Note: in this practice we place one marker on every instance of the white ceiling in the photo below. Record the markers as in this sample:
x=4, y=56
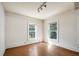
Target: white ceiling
x=30, y=8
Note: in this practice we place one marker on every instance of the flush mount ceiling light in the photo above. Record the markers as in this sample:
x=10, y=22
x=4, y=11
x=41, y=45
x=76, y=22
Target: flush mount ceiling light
x=40, y=8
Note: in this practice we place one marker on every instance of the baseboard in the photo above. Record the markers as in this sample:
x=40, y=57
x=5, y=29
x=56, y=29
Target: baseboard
x=69, y=49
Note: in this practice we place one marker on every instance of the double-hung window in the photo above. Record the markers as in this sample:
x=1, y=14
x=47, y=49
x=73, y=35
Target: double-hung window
x=53, y=30
x=32, y=31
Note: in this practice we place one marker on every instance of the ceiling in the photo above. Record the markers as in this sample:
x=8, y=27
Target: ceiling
x=30, y=8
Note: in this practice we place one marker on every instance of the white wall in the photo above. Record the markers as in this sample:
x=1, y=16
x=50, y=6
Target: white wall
x=67, y=29
x=16, y=30
x=77, y=29
x=2, y=31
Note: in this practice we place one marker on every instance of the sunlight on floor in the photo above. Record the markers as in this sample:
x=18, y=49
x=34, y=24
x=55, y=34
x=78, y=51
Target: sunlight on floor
x=33, y=51
x=51, y=44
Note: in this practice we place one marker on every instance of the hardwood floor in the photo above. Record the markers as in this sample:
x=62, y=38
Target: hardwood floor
x=39, y=49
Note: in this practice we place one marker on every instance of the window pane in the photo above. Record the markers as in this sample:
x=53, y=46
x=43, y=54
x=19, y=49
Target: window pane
x=31, y=34
x=53, y=35
x=53, y=26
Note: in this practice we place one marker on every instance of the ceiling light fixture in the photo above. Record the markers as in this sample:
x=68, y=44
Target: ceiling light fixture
x=41, y=7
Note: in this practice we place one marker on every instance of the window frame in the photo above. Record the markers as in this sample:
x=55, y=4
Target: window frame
x=56, y=31
x=35, y=31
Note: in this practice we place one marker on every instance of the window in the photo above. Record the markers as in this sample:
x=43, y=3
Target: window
x=32, y=33
x=53, y=30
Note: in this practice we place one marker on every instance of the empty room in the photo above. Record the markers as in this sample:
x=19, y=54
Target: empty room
x=39, y=28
